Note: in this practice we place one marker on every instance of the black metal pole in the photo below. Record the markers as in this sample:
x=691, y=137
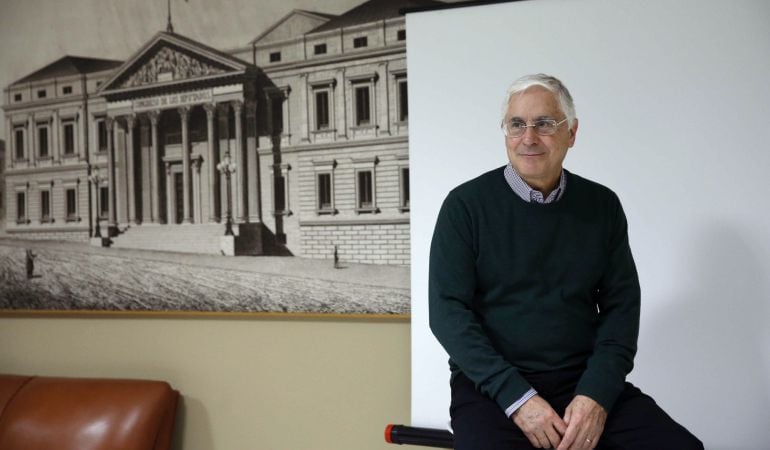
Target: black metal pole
x=426, y=437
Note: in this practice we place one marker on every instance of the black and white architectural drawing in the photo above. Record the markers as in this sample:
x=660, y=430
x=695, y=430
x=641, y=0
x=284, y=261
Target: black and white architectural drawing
x=295, y=143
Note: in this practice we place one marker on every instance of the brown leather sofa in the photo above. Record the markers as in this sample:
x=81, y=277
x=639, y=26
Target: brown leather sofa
x=45, y=413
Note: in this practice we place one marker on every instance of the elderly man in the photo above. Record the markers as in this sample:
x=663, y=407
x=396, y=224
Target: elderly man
x=534, y=294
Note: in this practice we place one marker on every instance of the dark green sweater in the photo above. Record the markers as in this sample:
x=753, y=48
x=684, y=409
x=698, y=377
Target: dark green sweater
x=517, y=287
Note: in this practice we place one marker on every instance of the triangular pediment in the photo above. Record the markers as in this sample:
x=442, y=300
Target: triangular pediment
x=168, y=59
x=167, y=63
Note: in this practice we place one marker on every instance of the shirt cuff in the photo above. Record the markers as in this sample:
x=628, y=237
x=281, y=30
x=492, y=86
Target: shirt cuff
x=517, y=404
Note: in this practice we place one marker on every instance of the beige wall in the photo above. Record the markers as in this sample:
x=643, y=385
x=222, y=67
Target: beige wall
x=246, y=383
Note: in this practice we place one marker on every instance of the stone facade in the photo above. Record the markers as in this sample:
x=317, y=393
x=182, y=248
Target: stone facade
x=50, y=124
x=336, y=94
x=378, y=243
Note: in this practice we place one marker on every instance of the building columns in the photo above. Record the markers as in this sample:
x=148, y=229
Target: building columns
x=145, y=172
x=30, y=144
x=95, y=204
x=130, y=123
x=80, y=121
x=305, y=95
x=10, y=146
x=184, y=116
x=240, y=177
x=109, y=124
x=196, y=180
x=154, y=175
x=223, y=136
x=170, y=193
x=343, y=105
x=138, y=191
x=212, y=170
x=252, y=159
x=55, y=138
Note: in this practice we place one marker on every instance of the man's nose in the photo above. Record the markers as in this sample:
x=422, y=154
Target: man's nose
x=530, y=136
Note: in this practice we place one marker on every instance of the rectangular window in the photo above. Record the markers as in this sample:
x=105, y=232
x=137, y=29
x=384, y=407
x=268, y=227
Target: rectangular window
x=322, y=110
x=18, y=142
x=66, y=90
x=401, y=35
x=404, y=188
x=275, y=57
x=42, y=141
x=69, y=138
x=72, y=205
x=360, y=42
x=104, y=202
x=41, y=93
x=319, y=49
x=45, y=206
x=102, y=135
x=17, y=97
x=21, y=207
x=324, y=181
x=363, y=114
x=403, y=101
x=365, y=190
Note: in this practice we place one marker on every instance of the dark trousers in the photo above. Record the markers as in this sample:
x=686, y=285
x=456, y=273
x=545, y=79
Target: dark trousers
x=636, y=422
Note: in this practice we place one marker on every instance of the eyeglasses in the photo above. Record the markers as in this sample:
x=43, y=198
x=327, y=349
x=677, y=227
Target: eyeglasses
x=543, y=127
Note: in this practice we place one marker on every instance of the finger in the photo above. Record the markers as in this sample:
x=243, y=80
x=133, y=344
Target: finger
x=582, y=441
x=544, y=440
x=569, y=437
x=591, y=438
x=590, y=434
x=560, y=426
x=533, y=440
x=544, y=443
x=554, y=439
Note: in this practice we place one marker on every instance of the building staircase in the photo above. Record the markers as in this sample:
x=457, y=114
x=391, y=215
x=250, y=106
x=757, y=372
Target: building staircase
x=185, y=238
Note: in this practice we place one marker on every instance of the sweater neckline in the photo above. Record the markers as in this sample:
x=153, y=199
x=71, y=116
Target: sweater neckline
x=569, y=187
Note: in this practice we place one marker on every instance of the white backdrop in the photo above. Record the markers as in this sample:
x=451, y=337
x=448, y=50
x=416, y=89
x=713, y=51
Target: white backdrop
x=674, y=109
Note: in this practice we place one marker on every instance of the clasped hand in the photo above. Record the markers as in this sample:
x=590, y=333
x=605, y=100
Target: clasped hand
x=580, y=428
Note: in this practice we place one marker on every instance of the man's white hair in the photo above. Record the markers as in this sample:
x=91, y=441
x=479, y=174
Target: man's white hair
x=553, y=84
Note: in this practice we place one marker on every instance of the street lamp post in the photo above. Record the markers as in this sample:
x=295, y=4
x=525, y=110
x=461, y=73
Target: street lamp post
x=226, y=167
x=96, y=178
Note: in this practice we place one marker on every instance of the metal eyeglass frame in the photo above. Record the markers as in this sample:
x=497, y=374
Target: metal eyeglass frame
x=534, y=126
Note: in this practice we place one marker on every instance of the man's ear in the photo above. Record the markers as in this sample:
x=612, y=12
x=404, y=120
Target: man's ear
x=573, y=132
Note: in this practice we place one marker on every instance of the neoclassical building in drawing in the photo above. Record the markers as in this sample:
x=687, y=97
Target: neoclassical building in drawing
x=301, y=137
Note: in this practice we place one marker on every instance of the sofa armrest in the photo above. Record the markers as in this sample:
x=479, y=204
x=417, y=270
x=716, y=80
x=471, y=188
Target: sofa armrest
x=86, y=414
